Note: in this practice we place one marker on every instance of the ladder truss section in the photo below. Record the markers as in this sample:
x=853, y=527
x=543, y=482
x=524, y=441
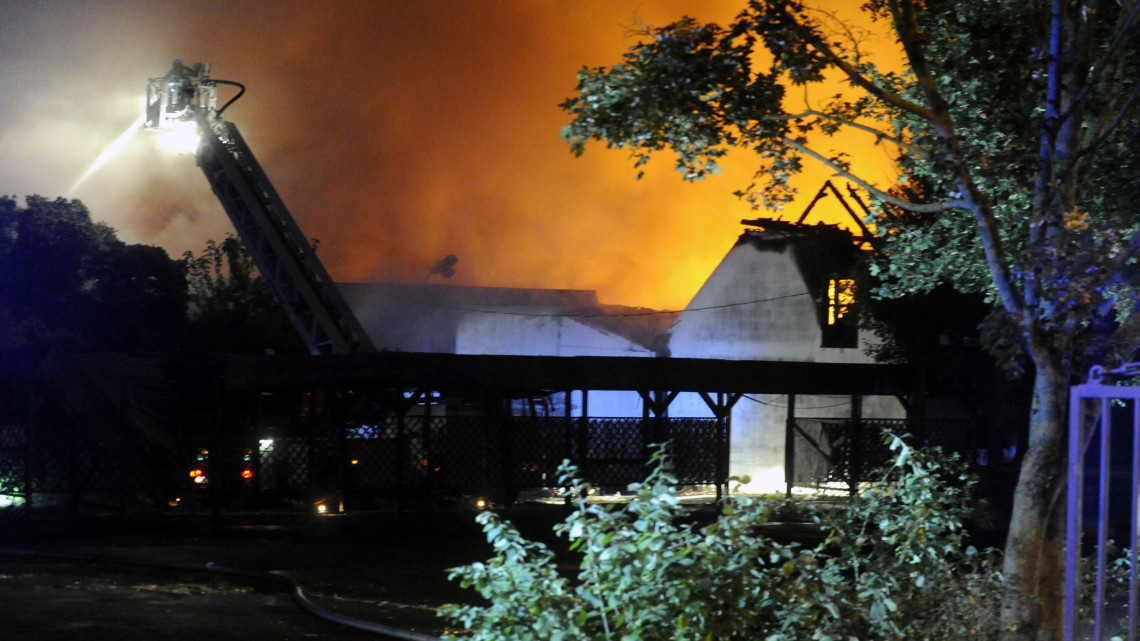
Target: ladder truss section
x=280, y=250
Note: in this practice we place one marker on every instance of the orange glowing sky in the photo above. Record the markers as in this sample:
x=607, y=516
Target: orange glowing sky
x=397, y=131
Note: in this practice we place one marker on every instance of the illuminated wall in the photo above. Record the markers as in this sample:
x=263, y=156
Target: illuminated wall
x=768, y=299
x=501, y=321
x=765, y=302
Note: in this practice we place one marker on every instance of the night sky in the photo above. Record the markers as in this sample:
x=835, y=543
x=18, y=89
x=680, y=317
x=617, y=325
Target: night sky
x=397, y=132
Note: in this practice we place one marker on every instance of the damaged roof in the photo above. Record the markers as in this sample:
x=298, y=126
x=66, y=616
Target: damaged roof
x=421, y=317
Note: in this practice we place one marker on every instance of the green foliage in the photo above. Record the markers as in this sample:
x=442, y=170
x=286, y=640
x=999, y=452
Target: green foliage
x=701, y=71
x=1054, y=195
x=892, y=564
x=68, y=281
x=1114, y=606
x=232, y=309
x=10, y=493
x=1013, y=172
x=1017, y=130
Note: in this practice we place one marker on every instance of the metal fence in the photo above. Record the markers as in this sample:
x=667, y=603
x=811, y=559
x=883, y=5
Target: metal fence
x=77, y=448
x=64, y=463
x=307, y=460
x=1103, y=494
x=452, y=456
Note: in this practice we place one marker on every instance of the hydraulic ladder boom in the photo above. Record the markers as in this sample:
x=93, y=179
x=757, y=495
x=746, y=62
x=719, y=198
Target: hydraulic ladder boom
x=279, y=249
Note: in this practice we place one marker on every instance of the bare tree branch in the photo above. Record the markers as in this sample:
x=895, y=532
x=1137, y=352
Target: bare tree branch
x=906, y=26
x=856, y=76
x=879, y=135
x=1120, y=115
x=842, y=25
x=1124, y=24
x=921, y=208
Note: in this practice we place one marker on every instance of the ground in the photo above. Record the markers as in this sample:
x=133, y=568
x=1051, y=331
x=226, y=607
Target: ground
x=148, y=581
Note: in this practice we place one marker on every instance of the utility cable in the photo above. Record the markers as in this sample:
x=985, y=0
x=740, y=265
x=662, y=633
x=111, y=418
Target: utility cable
x=775, y=402
x=651, y=312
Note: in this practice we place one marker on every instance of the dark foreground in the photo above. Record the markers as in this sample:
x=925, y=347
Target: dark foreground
x=68, y=577
x=382, y=568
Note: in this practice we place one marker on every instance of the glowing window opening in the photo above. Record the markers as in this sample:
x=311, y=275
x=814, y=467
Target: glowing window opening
x=840, y=297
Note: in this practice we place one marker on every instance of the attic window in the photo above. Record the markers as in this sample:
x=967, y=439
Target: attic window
x=840, y=297
x=841, y=329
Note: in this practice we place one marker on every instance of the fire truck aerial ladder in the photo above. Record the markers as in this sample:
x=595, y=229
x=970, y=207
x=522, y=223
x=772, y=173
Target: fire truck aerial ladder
x=184, y=101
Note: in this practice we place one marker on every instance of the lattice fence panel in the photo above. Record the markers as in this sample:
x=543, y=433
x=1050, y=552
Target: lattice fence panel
x=831, y=452
x=461, y=451
x=616, y=451
x=295, y=464
x=13, y=451
x=696, y=445
x=374, y=457
x=538, y=446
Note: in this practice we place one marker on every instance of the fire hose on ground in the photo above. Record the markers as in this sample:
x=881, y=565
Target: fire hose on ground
x=276, y=576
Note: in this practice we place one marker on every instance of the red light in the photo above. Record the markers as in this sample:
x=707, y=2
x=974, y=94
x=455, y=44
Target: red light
x=195, y=473
x=247, y=474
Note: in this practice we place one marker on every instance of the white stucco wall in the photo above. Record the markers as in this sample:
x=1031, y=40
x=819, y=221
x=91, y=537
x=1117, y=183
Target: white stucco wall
x=518, y=335
x=521, y=335
x=756, y=306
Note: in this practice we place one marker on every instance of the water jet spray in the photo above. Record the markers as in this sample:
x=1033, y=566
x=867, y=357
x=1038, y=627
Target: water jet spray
x=115, y=147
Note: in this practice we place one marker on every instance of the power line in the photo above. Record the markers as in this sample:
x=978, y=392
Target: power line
x=630, y=314
x=773, y=403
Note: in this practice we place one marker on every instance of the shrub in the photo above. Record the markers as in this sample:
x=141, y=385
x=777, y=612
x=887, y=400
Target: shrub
x=893, y=563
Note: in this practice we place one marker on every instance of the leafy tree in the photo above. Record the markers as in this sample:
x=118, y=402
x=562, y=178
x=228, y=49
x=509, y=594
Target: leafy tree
x=893, y=564
x=231, y=308
x=944, y=348
x=1018, y=120
x=69, y=282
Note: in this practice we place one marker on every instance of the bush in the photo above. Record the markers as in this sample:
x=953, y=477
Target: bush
x=893, y=564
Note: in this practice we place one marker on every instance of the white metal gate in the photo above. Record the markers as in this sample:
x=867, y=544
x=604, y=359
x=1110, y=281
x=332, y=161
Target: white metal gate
x=1092, y=407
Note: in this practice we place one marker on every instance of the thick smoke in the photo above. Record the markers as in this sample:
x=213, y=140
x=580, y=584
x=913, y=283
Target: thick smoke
x=397, y=132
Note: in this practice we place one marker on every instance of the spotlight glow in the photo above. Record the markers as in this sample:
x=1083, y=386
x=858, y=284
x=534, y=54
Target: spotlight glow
x=182, y=138
x=10, y=500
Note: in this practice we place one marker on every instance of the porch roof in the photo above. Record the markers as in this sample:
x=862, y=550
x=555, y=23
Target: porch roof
x=463, y=372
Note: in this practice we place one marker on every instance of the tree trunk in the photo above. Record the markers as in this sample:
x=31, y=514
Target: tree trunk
x=1034, y=565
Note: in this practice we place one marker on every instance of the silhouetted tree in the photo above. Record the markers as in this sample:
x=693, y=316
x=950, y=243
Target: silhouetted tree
x=231, y=308
x=1021, y=117
x=69, y=282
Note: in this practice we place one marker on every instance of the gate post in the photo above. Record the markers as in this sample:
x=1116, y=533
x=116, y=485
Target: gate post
x=722, y=410
x=1100, y=417
x=855, y=463
x=582, y=441
x=790, y=447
